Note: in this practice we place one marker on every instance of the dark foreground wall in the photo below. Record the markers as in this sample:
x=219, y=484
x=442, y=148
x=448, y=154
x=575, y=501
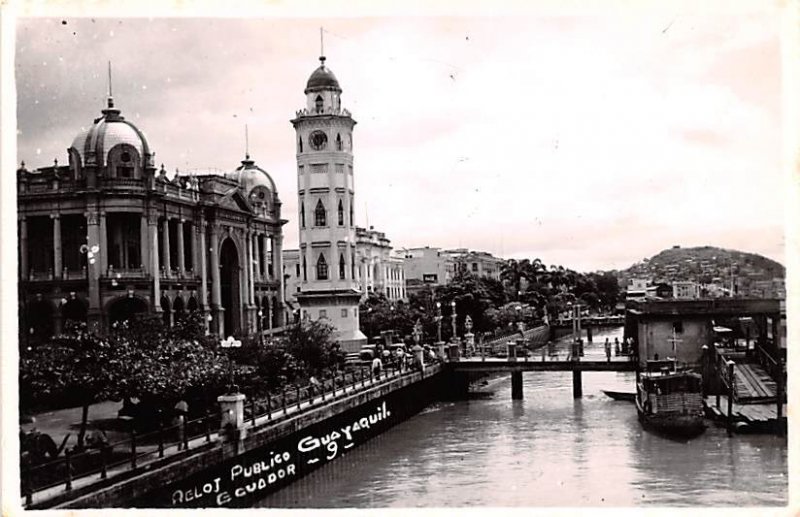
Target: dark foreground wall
x=239, y=481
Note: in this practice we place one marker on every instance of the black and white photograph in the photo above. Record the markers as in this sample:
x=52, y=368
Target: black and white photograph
x=505, y=257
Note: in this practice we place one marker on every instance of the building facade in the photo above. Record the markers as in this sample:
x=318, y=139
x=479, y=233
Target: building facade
x=325, y=195
x=379, y=271
x=477, y=263
x=109, y=235
x=426, y=266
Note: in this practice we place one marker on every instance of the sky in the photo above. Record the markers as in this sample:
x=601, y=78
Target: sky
x=586, y=140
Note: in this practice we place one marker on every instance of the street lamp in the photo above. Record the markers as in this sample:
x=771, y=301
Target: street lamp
x=258, y=326
x=439, y=321
x=227, y=344
x=453, y=307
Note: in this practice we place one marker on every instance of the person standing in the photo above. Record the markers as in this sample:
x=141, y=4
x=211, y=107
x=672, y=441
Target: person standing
x=608, y=350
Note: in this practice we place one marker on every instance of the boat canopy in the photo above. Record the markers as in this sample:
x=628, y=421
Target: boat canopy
x=675, y=383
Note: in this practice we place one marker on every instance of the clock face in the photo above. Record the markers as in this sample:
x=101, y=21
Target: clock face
x=318, y=140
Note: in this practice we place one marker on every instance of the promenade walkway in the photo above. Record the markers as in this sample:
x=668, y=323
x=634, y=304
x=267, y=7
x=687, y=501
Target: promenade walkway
x=151, y=455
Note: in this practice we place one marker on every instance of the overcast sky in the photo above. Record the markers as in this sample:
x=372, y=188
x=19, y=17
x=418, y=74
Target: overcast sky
x=588, y=141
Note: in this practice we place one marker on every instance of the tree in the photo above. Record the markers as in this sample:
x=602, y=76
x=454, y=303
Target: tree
x=311, y=344
x=79, y=364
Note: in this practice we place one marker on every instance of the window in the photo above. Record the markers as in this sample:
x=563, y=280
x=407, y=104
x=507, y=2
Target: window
x=319, y=215
x=351, y=212
x=323, y=313
x=678, y=327
x=344, y=313
x=302, y=215
x=322, y=268
x=318, y=103
x=341, y=213
x=341, y=267
x=300, y=142
x=474, y=266
x=338, y=142
x=297, y=270
x=353, y=264
x=305, y=273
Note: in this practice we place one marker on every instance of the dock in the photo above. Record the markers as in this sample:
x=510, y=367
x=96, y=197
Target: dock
x=747, y=418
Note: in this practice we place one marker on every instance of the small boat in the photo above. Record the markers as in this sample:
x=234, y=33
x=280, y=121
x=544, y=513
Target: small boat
x=670, y=402
x=627, y=396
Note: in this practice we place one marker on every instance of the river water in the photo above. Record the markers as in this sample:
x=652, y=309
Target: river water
x=545, y=450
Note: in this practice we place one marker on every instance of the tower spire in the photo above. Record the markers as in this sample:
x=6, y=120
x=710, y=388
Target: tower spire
x=321, y=47
x=110, y=92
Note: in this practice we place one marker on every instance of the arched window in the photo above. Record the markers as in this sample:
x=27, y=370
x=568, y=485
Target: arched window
x=319, y=215
x=305, y=273
x=341, y=213
x=341, y=266
x=302, y=215
x=301, y=144
x=351, y=212
x=338, y=142
x=318, y=103
x=322, y=268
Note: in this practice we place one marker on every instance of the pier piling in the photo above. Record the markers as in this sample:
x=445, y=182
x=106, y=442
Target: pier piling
x=516, y=385
x=577, y=384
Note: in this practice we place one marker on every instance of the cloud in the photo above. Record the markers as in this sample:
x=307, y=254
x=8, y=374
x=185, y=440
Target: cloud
x=591, y=139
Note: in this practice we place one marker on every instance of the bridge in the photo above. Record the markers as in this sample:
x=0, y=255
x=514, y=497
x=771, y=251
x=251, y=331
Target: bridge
x=561, y=357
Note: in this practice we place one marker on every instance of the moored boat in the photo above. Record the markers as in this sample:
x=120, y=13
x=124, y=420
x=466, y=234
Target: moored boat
x=670, y=402
x=627, y=396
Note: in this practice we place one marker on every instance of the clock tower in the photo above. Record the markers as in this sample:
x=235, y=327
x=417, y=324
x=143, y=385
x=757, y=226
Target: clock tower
x=325, y=199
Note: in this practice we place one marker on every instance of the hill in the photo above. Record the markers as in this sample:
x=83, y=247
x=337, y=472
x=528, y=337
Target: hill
x=703, y=264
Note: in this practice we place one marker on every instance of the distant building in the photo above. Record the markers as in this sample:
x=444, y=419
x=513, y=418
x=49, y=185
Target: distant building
x=478, y=263
x=378, y=270
x=426, y=266
x=684, y=290
x=636, y=289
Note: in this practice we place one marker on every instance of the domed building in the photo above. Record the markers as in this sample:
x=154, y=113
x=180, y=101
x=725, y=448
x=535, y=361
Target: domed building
x=110, y=235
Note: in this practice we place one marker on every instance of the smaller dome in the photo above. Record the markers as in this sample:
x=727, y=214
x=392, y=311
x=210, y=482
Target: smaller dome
x=322, y=79
x=250, y=176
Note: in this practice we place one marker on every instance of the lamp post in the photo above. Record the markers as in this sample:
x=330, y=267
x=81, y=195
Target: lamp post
x=227, y=344
x=260, y=324
x=453, y=320
x=439, y=321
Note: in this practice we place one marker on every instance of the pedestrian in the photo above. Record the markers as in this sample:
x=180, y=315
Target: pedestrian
x=607, y=346
x=314, y=385
x=616, y=346
x=377, y=366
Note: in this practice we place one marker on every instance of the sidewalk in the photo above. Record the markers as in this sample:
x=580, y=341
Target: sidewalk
x=60, y=422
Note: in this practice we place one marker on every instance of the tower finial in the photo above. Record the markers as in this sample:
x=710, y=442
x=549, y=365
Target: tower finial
x=110, y=92
x=246, y=143
x=321, y=47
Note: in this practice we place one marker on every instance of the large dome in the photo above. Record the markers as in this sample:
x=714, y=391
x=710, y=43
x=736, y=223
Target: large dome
x=94, y=143
x=322, y=79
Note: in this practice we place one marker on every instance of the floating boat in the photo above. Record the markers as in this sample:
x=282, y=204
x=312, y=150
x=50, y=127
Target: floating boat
x=670, y=402
x=627, y=396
